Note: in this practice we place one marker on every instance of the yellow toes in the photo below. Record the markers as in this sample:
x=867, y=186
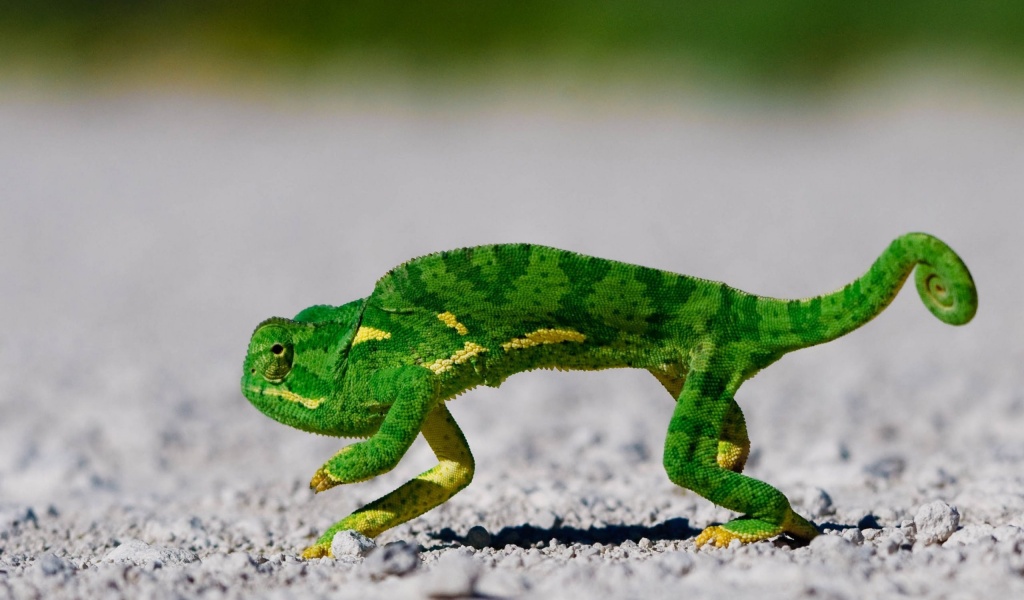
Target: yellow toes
x=717, y=535
x=322, y=481
x=317, y=551
x=720, y=537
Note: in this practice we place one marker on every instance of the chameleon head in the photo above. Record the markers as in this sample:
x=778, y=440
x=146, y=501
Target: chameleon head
x=288, y=372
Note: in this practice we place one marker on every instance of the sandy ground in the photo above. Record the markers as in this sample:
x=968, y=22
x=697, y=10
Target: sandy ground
x=143, y=237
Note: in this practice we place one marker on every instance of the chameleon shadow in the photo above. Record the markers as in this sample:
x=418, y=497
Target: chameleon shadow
x=528, y=536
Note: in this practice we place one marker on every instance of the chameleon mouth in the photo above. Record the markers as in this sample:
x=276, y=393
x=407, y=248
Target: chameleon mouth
x=310, y=403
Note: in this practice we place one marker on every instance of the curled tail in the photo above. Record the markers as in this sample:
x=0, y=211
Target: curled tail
x=943, y=282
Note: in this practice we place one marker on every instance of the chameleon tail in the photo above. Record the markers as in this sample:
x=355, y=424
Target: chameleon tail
x=943, y=282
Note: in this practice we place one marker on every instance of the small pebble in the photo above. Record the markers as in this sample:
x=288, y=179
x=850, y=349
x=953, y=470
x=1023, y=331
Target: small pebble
x=228, y=562
x=837, y=551
x=396, y=558
x=887, y=468
x=454, y=575
x=817, y=502
x=934, y=477
x=137, y=552
x=935, y=522
x=50, y=564
x=351, y=544
x=478, y=537
x=675, y=563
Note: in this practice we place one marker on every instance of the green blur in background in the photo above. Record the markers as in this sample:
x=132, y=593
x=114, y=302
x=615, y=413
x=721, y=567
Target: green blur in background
x=761, y=44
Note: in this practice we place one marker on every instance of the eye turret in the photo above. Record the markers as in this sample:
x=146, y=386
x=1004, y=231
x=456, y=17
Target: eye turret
x=279, y=363
x=272, y=350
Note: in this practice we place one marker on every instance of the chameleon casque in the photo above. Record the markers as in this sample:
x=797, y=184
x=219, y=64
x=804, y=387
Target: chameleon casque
x=382, y=367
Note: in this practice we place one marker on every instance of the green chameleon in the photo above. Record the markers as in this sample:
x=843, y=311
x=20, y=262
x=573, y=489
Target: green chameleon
x=382, y=367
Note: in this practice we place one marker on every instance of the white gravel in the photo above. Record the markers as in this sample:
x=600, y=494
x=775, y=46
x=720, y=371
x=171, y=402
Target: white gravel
x=352, y=544
x=142, y=237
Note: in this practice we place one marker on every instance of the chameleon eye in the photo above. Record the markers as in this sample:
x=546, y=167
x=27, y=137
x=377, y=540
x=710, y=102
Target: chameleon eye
x=272, y=349
x=279, y=363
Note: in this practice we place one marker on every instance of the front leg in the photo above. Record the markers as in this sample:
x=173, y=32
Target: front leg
x=410, y=391
x=453, y=472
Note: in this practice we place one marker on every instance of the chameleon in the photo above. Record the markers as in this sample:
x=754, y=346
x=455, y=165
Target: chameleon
x=382, y=367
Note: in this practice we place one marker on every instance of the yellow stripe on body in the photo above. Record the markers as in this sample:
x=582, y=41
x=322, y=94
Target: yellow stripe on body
x=457, y=358
x=290, y=396
x=544, y=336
x=451, y=321
x=365, y=334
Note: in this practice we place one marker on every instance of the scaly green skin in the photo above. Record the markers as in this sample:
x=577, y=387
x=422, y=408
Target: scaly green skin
x=382, y=367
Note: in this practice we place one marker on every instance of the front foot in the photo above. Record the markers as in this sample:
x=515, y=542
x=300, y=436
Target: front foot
x=323, y=481
x=748, y=530
x=317, y=550
x=360, y=522
x=720, y=536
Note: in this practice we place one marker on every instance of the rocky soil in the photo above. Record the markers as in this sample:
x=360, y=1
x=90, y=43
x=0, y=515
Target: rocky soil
x=143, y=237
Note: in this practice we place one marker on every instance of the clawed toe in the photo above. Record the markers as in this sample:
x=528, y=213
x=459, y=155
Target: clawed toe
x=322, y=481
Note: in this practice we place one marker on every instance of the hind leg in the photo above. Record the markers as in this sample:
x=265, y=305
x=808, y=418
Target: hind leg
x=692, y=455
x=733, y=443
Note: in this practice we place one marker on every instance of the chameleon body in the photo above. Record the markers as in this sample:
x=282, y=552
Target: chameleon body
x=382, y=367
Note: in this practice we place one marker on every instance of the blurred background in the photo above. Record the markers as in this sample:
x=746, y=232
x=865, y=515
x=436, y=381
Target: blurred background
x=172, y=173
x=802, y=44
